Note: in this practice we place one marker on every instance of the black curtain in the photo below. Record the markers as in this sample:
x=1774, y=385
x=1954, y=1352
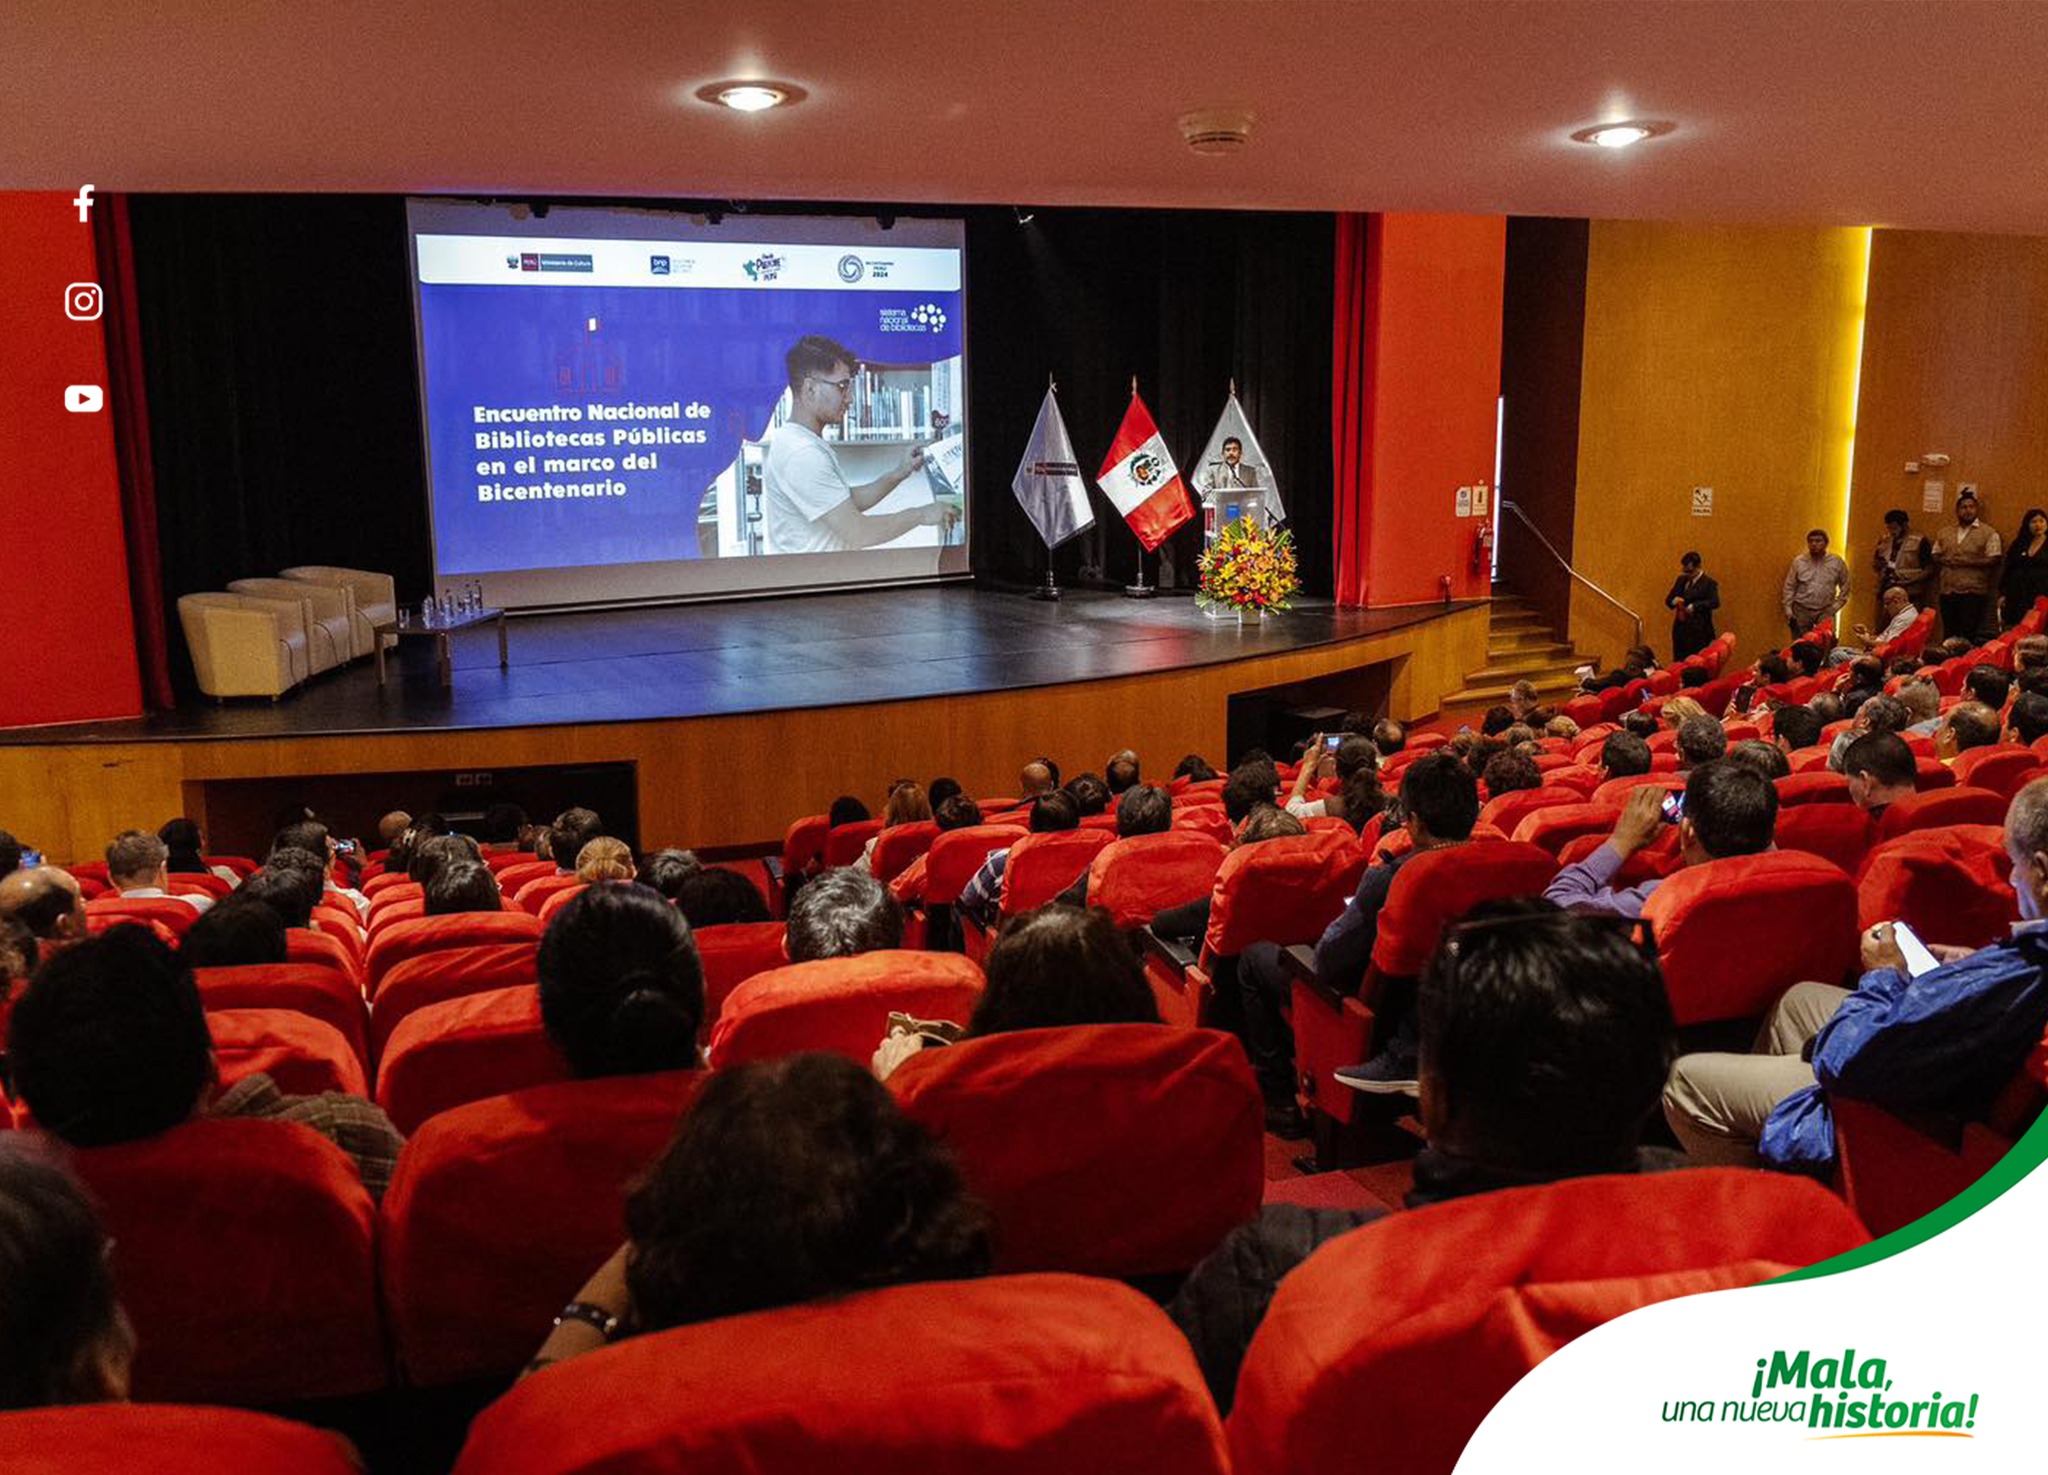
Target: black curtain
x=280, y=362
x=1187, y=301
x=284, y=409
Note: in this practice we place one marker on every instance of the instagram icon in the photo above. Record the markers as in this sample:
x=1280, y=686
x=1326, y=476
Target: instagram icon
x=82, y=302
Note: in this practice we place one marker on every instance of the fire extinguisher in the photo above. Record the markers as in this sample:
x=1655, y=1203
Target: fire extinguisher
x=1482, y=547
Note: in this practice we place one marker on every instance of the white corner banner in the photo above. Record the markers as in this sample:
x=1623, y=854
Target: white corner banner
x=1928, y=1360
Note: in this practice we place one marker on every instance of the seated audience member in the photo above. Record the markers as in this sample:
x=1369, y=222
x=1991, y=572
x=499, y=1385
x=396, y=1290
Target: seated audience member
x=1771, y=669
x=1879, y=714
x=1195, y=769
x=290, y=883
x=842, y=913
x=1636, y=663
x=63, y=1337
x=788, y=1181
x=2030, y=653
x=1508, y=773
x=956, y=812
x=1866, y=680
x=1355, y=767
x=1253, y=782
x=1120, y=773
x=1692, y=678
x=312, y=837
x=1701, y=739
x=621, y=986
x=575, y=828
x=1922, y=701
x=1496, y=721
x=1881, y=771
x=1526, y=705
x=665, y=870
x=712, y=896
x=19, y=955
x=1969, y=725
x=1795, y=728
x=1544, y=1039
x=2027, y=722
x=1519, y=736
x=1899, y=614
x=1389, y=736
x=392, y=826
x=46, y=901
x=1090, y=795
x=1037, y=777
x=1051, y=968
x=10, y=854
x=1730, y=809
x=1677, y=711
x=1905, y=666
x=182, y=839
x=1641, y=723
x=431, y=852
x=907, y=804
x=110, y=1045
x=2033, y=680
x=1945, y=1042
x=981, y=898
x=463, y=886
x=416, y=833
x=1954, y=646
x=1561, y=726
x=605, y=859
x=1190, y=923
x=940, y=791
x=1989, y=685
x=1807, y=657
x=1623, y=755
x=1141, y=811
x=500, y=826
x=137, y=866
x=236, y=934
x=1767, y=759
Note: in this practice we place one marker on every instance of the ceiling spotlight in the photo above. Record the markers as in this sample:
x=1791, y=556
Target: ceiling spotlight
x=751, y=96
x=1024, y=217
x=1621, y=135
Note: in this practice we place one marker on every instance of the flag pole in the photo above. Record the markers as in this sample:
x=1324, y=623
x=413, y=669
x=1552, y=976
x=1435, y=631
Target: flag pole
x=1141, y=589
x=1049, y=588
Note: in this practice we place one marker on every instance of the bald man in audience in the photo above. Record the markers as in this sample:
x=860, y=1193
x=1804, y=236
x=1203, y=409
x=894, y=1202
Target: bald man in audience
x=1970, y=725
x=392, y=826
x=45, y=900
x=1035, y=778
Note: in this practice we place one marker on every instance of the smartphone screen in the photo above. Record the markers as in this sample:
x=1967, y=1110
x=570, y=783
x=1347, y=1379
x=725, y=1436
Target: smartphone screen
x=1918, y=959
x=1330, y=743
x=1674, y=806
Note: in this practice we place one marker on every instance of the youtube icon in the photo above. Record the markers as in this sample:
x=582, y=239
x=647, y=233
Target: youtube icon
x=84, y=399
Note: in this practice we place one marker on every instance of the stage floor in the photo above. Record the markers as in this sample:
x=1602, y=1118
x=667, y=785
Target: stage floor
x=821, y=650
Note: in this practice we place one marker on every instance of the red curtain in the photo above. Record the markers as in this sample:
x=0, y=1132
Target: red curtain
x=1351, y=402
x=128, y=407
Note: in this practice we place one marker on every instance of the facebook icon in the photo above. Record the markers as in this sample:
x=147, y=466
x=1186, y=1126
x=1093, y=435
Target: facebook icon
x=83, y=200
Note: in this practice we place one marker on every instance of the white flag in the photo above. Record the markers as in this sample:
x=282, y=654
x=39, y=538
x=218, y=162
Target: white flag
x=1248, y=470
x=1048, y=481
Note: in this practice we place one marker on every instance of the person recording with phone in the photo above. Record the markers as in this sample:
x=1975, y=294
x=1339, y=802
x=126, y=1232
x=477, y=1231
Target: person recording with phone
x=1354, y=763
x=1726, y=809
x=1928, y=1030
x=808, y=504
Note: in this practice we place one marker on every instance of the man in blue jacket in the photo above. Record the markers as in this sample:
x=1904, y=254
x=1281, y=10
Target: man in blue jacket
x=1946, y=1041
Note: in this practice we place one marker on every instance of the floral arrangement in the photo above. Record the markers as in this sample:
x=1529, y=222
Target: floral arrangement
x=1248, y=569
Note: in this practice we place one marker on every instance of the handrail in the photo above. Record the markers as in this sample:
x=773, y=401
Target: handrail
x=1537, y=533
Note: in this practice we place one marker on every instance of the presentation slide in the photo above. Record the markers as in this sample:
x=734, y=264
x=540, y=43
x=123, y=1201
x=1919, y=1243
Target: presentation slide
x=610, y=415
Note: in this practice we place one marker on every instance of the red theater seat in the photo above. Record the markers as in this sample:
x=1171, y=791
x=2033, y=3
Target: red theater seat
x=113, y=909
x=1018, y=1375
x=899, y=846
x=1551, y=827
x=1890, y=1171
x=241, y=865
x=107, y=1438
x=1818, y=785
x=307, y=988
x=1581, y=778
x=402, y=940
x=1950, y=886
x=501, y=861
x=732, y=954
x=1733, y=935
x=1205, y=819
x=1616, y=790
x=244, y=1258
x=529, y=869
x=840, y=1004
x=464, y=1296
x=1040, y=867
x=1136, y=879
x=1510, y=809
x=304, y=1056
x=1932, y=773
x=375, y=886
x=555, y=900
x=803, y=845
x=1109, y=1149
x=1932, y=809
x=1653, y=862
x=464, y=1050
x=1584, y=709
x=1995, y=768
x=188, y=883
x=1399, y=1337
x=844, y=843
x=1841, y=833
x=396, y=888
x=448, y=973
x=956, y=855
x=304, y=945
x=532, y=893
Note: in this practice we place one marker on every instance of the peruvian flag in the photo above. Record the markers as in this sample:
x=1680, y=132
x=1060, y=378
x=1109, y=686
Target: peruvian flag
x=1141, y=480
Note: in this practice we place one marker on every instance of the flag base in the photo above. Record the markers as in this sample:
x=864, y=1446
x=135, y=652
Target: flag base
x=1140, y=591
x=1047, y=591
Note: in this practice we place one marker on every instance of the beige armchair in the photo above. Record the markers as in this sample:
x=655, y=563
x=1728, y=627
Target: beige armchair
x=245, y=647
x=375, y=594
x=329, y=611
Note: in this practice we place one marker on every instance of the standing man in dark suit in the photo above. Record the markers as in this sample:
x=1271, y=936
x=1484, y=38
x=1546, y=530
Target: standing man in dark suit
x=1693, y=599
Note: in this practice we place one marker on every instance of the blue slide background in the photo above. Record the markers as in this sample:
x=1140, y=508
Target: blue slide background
x=506, y=346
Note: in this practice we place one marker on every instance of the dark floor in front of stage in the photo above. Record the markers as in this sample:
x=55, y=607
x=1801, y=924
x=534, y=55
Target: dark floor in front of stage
x=753, y=656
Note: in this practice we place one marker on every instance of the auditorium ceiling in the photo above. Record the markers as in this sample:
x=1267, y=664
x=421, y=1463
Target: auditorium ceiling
x=1919, y=113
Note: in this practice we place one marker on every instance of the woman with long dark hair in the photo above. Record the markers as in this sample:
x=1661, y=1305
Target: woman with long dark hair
x=2025, y=576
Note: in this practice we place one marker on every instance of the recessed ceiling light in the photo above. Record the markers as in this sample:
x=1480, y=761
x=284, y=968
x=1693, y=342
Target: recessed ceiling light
x=751, y=96
x=1621, y=135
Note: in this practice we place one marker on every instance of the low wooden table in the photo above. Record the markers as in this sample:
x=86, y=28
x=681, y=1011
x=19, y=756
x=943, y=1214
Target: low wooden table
x=439, y=632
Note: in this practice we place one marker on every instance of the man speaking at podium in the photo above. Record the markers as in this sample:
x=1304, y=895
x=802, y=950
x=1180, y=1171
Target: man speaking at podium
x=808, y=505
x=1233, y=472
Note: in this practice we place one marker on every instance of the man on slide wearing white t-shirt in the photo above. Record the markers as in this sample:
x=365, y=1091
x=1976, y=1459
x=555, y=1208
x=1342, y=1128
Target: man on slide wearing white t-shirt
x=809, y=505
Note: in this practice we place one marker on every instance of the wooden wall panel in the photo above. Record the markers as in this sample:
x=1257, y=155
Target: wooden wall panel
x=1715, y=356
x=734, y=781
x=1955, y=360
